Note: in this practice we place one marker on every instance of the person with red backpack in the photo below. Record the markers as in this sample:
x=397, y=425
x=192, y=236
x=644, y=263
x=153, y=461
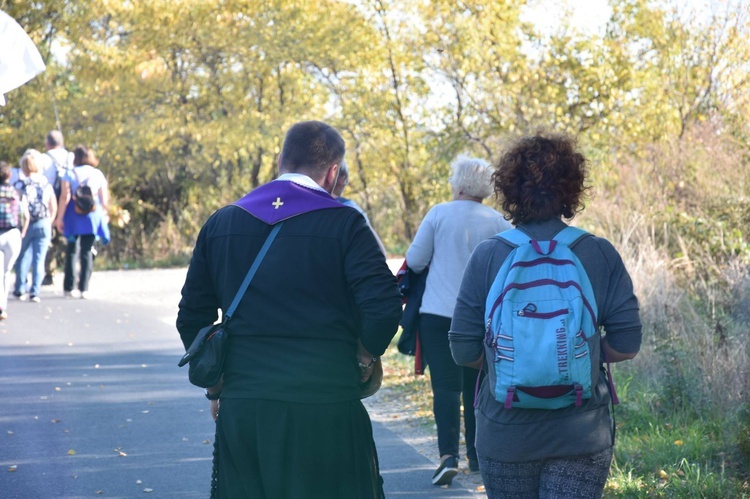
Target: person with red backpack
x=14, y=219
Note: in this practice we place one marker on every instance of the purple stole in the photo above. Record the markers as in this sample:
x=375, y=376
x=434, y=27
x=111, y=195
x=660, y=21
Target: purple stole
x=283, y=199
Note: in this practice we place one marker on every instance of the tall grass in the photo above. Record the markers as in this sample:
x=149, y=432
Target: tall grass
x=678, y=219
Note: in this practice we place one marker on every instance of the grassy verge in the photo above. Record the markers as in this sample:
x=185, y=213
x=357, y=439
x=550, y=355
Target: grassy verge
x=662, y=451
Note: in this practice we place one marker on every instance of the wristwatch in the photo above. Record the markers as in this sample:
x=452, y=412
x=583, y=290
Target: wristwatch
x=213, y=396
x=365, y=367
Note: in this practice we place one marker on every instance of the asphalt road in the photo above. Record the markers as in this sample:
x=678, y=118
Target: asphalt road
x=92, y=403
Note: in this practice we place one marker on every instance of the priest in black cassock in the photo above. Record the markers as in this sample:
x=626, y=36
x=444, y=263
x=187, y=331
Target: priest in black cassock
x=321, y=308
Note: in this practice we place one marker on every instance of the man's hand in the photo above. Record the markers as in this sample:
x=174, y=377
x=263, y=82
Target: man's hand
x=366, y=362
x=366, y=365
x=214, y=405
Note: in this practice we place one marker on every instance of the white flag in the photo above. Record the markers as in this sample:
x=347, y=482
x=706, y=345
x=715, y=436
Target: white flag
x=20, y=61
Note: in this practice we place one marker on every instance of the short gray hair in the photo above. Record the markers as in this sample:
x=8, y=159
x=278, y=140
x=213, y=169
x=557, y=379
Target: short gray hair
x=472, y=176
x=55, y=138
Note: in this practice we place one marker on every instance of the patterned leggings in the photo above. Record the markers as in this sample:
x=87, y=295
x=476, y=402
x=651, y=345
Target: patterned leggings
x=579, y=477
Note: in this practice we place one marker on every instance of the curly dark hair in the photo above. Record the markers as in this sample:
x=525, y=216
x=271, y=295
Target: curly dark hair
x=541, y=177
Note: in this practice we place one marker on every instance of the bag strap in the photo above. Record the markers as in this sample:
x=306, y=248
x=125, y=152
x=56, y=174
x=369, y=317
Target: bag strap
x=515, y=237
x=253, y=268
x=570, y=235
x=54, y=161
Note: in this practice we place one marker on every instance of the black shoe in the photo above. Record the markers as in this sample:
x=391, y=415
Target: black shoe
x=48, y=281
x=446, y=471
x=473, y=465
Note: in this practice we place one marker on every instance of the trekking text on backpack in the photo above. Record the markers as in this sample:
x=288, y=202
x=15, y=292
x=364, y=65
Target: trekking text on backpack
x=542, y=339
x=9, y=208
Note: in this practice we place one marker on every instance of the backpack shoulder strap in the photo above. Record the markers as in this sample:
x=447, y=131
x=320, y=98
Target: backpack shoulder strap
x=54, y=161
x=570, y=236
x=514, y=237
x=78, y=178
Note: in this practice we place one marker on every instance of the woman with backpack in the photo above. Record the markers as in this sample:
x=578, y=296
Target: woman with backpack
x=14, y=219
x=518, y=315
x=84, y=201
x=39, y=197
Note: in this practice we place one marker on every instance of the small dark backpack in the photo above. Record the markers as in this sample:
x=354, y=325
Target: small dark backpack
x=83, y=197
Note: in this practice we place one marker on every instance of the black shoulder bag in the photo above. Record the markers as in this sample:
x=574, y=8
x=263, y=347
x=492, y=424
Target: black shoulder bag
x=208, y=350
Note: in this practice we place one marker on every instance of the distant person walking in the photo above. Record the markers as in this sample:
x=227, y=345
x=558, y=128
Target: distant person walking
x=55, y=164
x=39, y=197
x=321, y=308
x=338, y=193
x=445, y=239
x=543, y=451
x=14, y=219
x=79, y=226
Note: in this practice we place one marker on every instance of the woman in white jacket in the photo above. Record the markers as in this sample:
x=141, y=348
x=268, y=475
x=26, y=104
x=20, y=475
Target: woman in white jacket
x=445, y=239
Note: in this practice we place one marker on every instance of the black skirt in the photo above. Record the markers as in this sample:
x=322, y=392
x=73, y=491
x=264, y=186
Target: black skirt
x=276, y=450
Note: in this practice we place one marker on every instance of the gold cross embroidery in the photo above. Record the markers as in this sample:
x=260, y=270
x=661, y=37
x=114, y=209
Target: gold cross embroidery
x=277, y=204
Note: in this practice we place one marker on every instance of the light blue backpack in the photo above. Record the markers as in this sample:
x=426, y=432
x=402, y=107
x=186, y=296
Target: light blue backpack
x=542, y=340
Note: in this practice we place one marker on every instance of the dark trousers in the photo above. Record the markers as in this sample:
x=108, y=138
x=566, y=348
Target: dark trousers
x=449, y=383
x=55, y=255
x=82, y=244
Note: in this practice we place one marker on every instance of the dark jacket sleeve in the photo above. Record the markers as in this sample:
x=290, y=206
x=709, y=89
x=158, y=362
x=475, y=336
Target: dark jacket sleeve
x=620, y=316
x=199, y=304
x=373, y=287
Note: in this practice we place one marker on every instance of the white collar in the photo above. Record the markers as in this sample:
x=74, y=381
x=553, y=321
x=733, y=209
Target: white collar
x=301, y=179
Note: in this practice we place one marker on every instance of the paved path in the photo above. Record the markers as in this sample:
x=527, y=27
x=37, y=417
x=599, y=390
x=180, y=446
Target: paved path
x=93, y=405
